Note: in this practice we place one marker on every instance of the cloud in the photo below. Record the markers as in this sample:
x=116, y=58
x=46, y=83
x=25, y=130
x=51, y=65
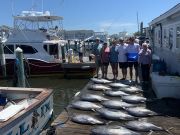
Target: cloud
x=116, y=26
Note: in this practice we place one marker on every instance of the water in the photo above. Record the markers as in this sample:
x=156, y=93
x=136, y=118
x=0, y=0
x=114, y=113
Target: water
x=63, y=89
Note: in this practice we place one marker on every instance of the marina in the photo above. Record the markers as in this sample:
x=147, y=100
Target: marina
x=50, y=82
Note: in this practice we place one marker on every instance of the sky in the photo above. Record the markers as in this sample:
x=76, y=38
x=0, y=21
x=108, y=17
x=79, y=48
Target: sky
x=112, y=16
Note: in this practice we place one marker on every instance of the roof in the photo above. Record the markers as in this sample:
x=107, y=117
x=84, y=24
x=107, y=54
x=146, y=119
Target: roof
x=170, y=12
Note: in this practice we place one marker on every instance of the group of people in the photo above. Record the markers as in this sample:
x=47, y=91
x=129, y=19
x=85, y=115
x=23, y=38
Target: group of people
x=125, y=54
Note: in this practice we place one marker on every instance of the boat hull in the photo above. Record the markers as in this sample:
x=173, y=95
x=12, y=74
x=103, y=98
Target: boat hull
x=42, y=68
x=32, y=119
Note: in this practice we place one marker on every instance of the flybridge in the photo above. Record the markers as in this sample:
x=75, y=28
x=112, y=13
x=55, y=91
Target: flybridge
x=35, y=16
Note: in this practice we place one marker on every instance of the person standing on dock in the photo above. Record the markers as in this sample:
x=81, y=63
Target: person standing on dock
x=105, y=59
x=96, y=53
x=145, y=62
x=132, y=57
x=114, y=59
x=122, y=59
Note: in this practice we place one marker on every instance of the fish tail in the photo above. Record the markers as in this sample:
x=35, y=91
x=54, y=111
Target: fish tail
x=168, y=131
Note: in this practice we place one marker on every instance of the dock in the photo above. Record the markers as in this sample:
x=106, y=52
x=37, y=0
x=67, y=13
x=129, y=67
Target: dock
x=168, y=109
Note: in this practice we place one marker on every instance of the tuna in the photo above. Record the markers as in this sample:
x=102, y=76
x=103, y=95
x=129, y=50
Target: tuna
x=116, y=104
x=100, y=80
x=114, y=114
x=85, y=105
x=112, y=130
x=134, y=99
x=86, y=119
x=93, y=98
x=115, y=93
x=142, y=126
x=140, y=112
x=98, y=87
x=118, y=85
x=131, y=90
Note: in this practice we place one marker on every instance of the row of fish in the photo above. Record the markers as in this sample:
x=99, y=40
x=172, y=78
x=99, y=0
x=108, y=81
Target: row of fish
x=126, y=109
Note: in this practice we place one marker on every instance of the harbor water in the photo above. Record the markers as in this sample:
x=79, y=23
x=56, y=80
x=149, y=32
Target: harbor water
x=64, y=89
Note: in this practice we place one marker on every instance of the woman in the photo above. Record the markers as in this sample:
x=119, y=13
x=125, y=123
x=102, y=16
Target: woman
x=145, y=62
x=105, y=59
x=114, y=59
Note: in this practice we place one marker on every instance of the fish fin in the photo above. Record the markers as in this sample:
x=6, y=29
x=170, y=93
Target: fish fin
x=109, y=122
x=150, y=132
x=93, y=110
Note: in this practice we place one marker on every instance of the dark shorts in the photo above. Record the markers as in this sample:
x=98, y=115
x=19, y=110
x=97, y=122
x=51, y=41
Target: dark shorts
x=80, y=54
x=131, y=64
x=105, y=63
x=123, y=64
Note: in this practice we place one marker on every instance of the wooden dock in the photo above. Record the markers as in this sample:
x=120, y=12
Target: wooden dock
x=169, y=108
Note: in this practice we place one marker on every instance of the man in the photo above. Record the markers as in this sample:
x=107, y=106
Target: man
x=122, y=59
x=132, y=57
x=96, y=53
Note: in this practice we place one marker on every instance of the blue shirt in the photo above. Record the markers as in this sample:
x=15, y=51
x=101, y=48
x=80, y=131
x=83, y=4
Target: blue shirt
x=113, y=54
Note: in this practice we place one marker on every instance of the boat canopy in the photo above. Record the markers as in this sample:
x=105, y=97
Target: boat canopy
x=34, y=16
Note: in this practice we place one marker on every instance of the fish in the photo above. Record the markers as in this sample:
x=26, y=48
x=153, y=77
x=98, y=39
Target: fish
x=142, y=126
x=85, y=105
x=114, y=114
x=112, y=130
x=116, y=104
x=98, y=87
x=115, y=93
x=118, y=85
x=134, y=99
x=93, y=98
x=86, y=119
x=140, y=112
x=131, y=90
x=100, y=80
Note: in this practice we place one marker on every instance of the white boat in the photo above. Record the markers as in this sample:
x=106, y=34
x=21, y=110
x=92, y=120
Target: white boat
x=165, y=41
x=24, y=111
x=38, y=35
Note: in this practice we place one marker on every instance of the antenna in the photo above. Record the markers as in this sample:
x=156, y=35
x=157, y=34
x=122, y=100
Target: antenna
x=12, y=7
x=42, y=6
x=137, y=22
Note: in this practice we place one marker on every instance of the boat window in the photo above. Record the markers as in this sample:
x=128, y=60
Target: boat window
x=178, y=37
x=27, y=49
x=52, y=49
x=9, y=49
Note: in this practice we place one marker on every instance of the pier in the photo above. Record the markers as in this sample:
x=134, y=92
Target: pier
x=168, y=109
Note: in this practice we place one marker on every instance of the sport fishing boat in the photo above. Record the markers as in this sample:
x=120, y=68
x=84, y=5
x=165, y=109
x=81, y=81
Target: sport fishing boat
x=24, y=110
x=38, y=35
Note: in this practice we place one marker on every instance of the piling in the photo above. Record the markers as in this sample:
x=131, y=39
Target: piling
x=20, y=67
x=3, y=61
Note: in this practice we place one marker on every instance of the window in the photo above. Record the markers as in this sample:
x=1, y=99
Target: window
x=52, y=50
x=9, y=49
x=178, y=36
x=170, y=38
x=27, y=49
x=165, y=38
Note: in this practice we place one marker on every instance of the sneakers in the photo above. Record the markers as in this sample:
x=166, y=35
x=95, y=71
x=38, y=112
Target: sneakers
x=122, y=79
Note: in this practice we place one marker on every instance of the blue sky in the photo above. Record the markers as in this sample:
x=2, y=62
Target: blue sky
x=112, y=16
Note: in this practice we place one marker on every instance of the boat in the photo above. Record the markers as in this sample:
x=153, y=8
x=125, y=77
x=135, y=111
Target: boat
x=165, y=41
x=38, y=35
x=24, y=110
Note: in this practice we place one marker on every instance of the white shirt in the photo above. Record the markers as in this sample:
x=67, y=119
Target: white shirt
x=122, y=53
x=133, y=48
